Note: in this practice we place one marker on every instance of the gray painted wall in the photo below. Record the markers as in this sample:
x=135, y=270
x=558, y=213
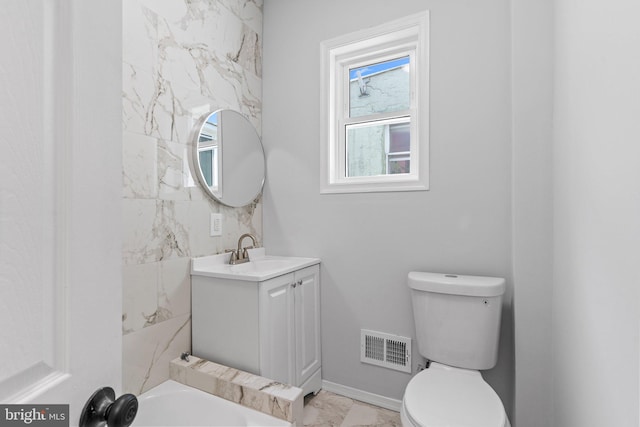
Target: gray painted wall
x=596, y=213
x=369, y=242
x=532, y=196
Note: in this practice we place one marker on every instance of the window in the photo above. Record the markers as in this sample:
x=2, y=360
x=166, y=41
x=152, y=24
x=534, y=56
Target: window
x=209, y=159
x=375, y=109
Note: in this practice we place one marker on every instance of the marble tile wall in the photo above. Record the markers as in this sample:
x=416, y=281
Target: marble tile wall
x=181, y=60
x=282, y=401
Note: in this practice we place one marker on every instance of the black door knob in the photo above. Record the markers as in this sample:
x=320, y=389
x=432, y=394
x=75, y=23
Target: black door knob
x=102, y=409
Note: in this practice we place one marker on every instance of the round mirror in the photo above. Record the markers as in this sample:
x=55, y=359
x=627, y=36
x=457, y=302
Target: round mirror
x=229, y=158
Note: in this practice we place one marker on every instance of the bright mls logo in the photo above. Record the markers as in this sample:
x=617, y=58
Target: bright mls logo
x=34, y=415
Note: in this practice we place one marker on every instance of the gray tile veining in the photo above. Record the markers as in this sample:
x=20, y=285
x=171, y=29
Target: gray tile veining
x=181, y=59
x=262, y=394
x=329, y=410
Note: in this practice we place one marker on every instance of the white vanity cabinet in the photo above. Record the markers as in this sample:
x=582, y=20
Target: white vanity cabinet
x=267, y=327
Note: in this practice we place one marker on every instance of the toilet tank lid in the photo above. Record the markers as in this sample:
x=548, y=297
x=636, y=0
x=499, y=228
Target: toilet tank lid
x=455, y=284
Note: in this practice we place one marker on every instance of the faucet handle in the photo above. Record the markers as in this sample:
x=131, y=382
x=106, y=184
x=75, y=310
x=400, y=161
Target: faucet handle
x=234, y=255
x=245, y=254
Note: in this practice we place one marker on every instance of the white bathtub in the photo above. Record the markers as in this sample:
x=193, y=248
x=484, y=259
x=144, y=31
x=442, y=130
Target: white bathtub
x=175, y=404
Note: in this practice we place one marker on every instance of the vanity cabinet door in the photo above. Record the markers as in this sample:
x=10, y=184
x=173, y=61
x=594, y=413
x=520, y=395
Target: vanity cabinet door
x=307, y=323
x=290, y=328
x=277, y=348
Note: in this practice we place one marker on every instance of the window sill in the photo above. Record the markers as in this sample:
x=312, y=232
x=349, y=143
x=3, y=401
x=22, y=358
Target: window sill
x=373, y=187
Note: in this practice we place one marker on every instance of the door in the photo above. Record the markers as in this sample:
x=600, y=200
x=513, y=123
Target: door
x=60, y=195
x=277, y=329
x=307, y=318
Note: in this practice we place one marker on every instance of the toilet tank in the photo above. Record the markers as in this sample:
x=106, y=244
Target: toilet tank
x=457, y=318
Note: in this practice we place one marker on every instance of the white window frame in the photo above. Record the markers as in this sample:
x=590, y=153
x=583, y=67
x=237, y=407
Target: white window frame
x=406, y=36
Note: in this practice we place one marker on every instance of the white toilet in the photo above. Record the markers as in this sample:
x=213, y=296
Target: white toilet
x=457, y=329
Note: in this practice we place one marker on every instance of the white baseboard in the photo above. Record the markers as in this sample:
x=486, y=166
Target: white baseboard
x=363, y=396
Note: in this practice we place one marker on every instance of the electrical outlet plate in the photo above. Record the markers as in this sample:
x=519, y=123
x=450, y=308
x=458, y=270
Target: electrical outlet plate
x=216, y=224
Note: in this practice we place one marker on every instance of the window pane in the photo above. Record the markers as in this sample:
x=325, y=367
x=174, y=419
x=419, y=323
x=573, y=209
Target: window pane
x=206, y=164
x=209, y=165
x=399, y=164
x=368, y=149
x=382, y=87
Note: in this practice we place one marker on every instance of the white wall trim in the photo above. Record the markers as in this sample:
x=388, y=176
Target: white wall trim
x=363, y=396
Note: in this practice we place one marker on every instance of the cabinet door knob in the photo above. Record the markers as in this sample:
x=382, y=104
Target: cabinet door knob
x=299, y=282
x=294, y=284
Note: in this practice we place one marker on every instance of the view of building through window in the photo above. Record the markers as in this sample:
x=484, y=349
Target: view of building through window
x=378, y=141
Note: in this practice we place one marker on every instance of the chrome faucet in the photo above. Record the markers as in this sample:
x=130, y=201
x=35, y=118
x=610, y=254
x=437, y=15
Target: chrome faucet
x=241, y=255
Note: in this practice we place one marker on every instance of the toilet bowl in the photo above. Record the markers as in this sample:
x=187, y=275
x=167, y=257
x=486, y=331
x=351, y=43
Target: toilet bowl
x=457, y=321
x=444, y=396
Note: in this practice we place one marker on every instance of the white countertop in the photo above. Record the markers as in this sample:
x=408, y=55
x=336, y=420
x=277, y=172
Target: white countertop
x=259, y=268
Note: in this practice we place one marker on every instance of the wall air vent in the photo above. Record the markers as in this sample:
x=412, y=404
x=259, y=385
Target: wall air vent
x=389, y=351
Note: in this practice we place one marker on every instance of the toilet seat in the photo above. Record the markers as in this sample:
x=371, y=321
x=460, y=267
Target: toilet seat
x=453, y=397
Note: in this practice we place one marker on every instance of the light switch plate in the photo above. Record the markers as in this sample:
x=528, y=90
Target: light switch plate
x=216, y=224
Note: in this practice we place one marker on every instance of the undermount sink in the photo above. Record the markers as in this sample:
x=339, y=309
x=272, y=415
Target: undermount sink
x=260, y=266
x=263, y=265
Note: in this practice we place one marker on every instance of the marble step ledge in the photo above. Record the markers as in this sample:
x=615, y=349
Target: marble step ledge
x=262, y=394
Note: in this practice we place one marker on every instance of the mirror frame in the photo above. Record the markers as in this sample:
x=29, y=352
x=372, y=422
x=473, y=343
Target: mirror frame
x=197, y=169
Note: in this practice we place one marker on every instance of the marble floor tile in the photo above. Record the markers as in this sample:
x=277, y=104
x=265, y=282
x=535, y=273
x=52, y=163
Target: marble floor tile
x=331, y=410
